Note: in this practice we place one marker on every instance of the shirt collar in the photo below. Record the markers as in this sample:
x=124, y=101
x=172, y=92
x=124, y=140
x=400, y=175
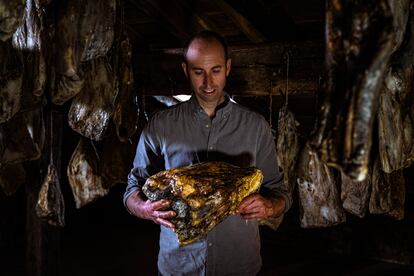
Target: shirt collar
x=222, y=111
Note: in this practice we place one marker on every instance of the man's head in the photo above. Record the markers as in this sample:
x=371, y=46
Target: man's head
x=207, y=66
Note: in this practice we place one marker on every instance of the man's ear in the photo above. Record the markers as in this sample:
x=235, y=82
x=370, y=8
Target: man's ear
x=184, y=66
x=228, y=66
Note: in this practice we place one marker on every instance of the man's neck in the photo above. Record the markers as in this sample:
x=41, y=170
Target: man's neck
x=210, y=108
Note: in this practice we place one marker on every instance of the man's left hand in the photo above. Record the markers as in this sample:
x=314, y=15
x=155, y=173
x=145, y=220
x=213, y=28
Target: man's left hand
x=256, y=206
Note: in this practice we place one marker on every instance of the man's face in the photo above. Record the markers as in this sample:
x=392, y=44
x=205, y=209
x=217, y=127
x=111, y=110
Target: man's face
x=207, y=69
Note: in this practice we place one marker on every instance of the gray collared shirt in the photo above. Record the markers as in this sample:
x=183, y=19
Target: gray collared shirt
x=183, y=135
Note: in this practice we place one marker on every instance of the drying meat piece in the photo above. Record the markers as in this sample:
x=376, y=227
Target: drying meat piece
x=22, y=138
x=11, y=178
x=11, y=76
x=355, y=195
x=50, y=204
x=319, y=200
x=126, y=106
x=85, y=31
x=84, y=174
x=28, y=38
x=11, y=14
x=395, y=113
x=92, y=108
x=202, y=195
x=361, y=36
x=388, y=193
x=287, y=146
x=67, y=88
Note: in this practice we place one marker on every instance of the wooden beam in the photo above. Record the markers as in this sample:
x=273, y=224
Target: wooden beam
x=247, y=28
x=256, y=70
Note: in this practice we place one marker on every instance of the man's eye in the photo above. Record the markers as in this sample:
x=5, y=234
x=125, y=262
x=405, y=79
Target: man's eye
x=216, y=71
x=198, y=72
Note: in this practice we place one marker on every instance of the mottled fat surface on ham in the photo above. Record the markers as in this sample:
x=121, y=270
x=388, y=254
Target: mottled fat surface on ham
x=84, y=174
x=320, y=205
x=11, y=14
x=50, y=204
x=91, y=110
x=11, y=77
x=361, y=37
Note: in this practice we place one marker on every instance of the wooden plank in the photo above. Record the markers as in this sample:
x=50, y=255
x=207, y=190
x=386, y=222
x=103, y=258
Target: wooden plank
x=256, y=70
x=248, y=29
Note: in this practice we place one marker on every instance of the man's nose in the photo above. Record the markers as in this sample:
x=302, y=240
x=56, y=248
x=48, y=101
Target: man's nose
x=208, y=80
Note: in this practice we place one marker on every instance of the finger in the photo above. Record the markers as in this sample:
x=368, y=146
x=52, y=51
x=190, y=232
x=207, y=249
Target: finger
x=164, y=222
x=255, y=215
x=246, y=202
x=164, y=214
x=252, y=209
x=254, y=203
x=160, y=204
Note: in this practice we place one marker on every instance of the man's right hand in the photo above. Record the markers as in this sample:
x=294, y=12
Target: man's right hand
x=151, y=210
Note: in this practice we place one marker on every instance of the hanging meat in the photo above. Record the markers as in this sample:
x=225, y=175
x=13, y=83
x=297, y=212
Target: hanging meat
x=319, y=200
x=287, y=146
x=67, y=87
x=22, y=138
x=12, y=177
x=84, y=174
x=11, y=14
x=202, y=195
x=126, y=105
x=85, y=31
x=388, y=193
x=11, y=76
x=395, y=113
x=50, y=204
x=361, y=36
x=92, y=109
x=28, y=39
x=355, y=195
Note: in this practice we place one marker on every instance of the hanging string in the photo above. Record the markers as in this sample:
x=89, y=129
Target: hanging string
x=51, y=137
x=287, y=57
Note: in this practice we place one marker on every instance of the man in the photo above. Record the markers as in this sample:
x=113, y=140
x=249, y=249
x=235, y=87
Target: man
x=208, y=127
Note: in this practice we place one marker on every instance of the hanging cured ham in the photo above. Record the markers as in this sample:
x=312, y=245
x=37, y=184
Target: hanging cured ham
x=11, y=14
x=22, y=138
x=361, y=36
x=85, y=31
x=287, y=146
x=319, y=200
x=355, y=195
x=91, y=110
x=11, y=77
x=388, y=193
x=396, y=109
x=126, y=110
x=84, y=174
x=50, y=204
x=28, y=39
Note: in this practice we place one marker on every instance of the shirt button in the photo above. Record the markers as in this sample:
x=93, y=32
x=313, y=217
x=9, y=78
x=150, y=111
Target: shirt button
x=210, y=244
x=207, y=125
x=211, y=148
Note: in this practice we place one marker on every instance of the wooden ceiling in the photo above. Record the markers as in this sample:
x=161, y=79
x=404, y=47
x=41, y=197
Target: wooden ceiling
x=155, y=24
